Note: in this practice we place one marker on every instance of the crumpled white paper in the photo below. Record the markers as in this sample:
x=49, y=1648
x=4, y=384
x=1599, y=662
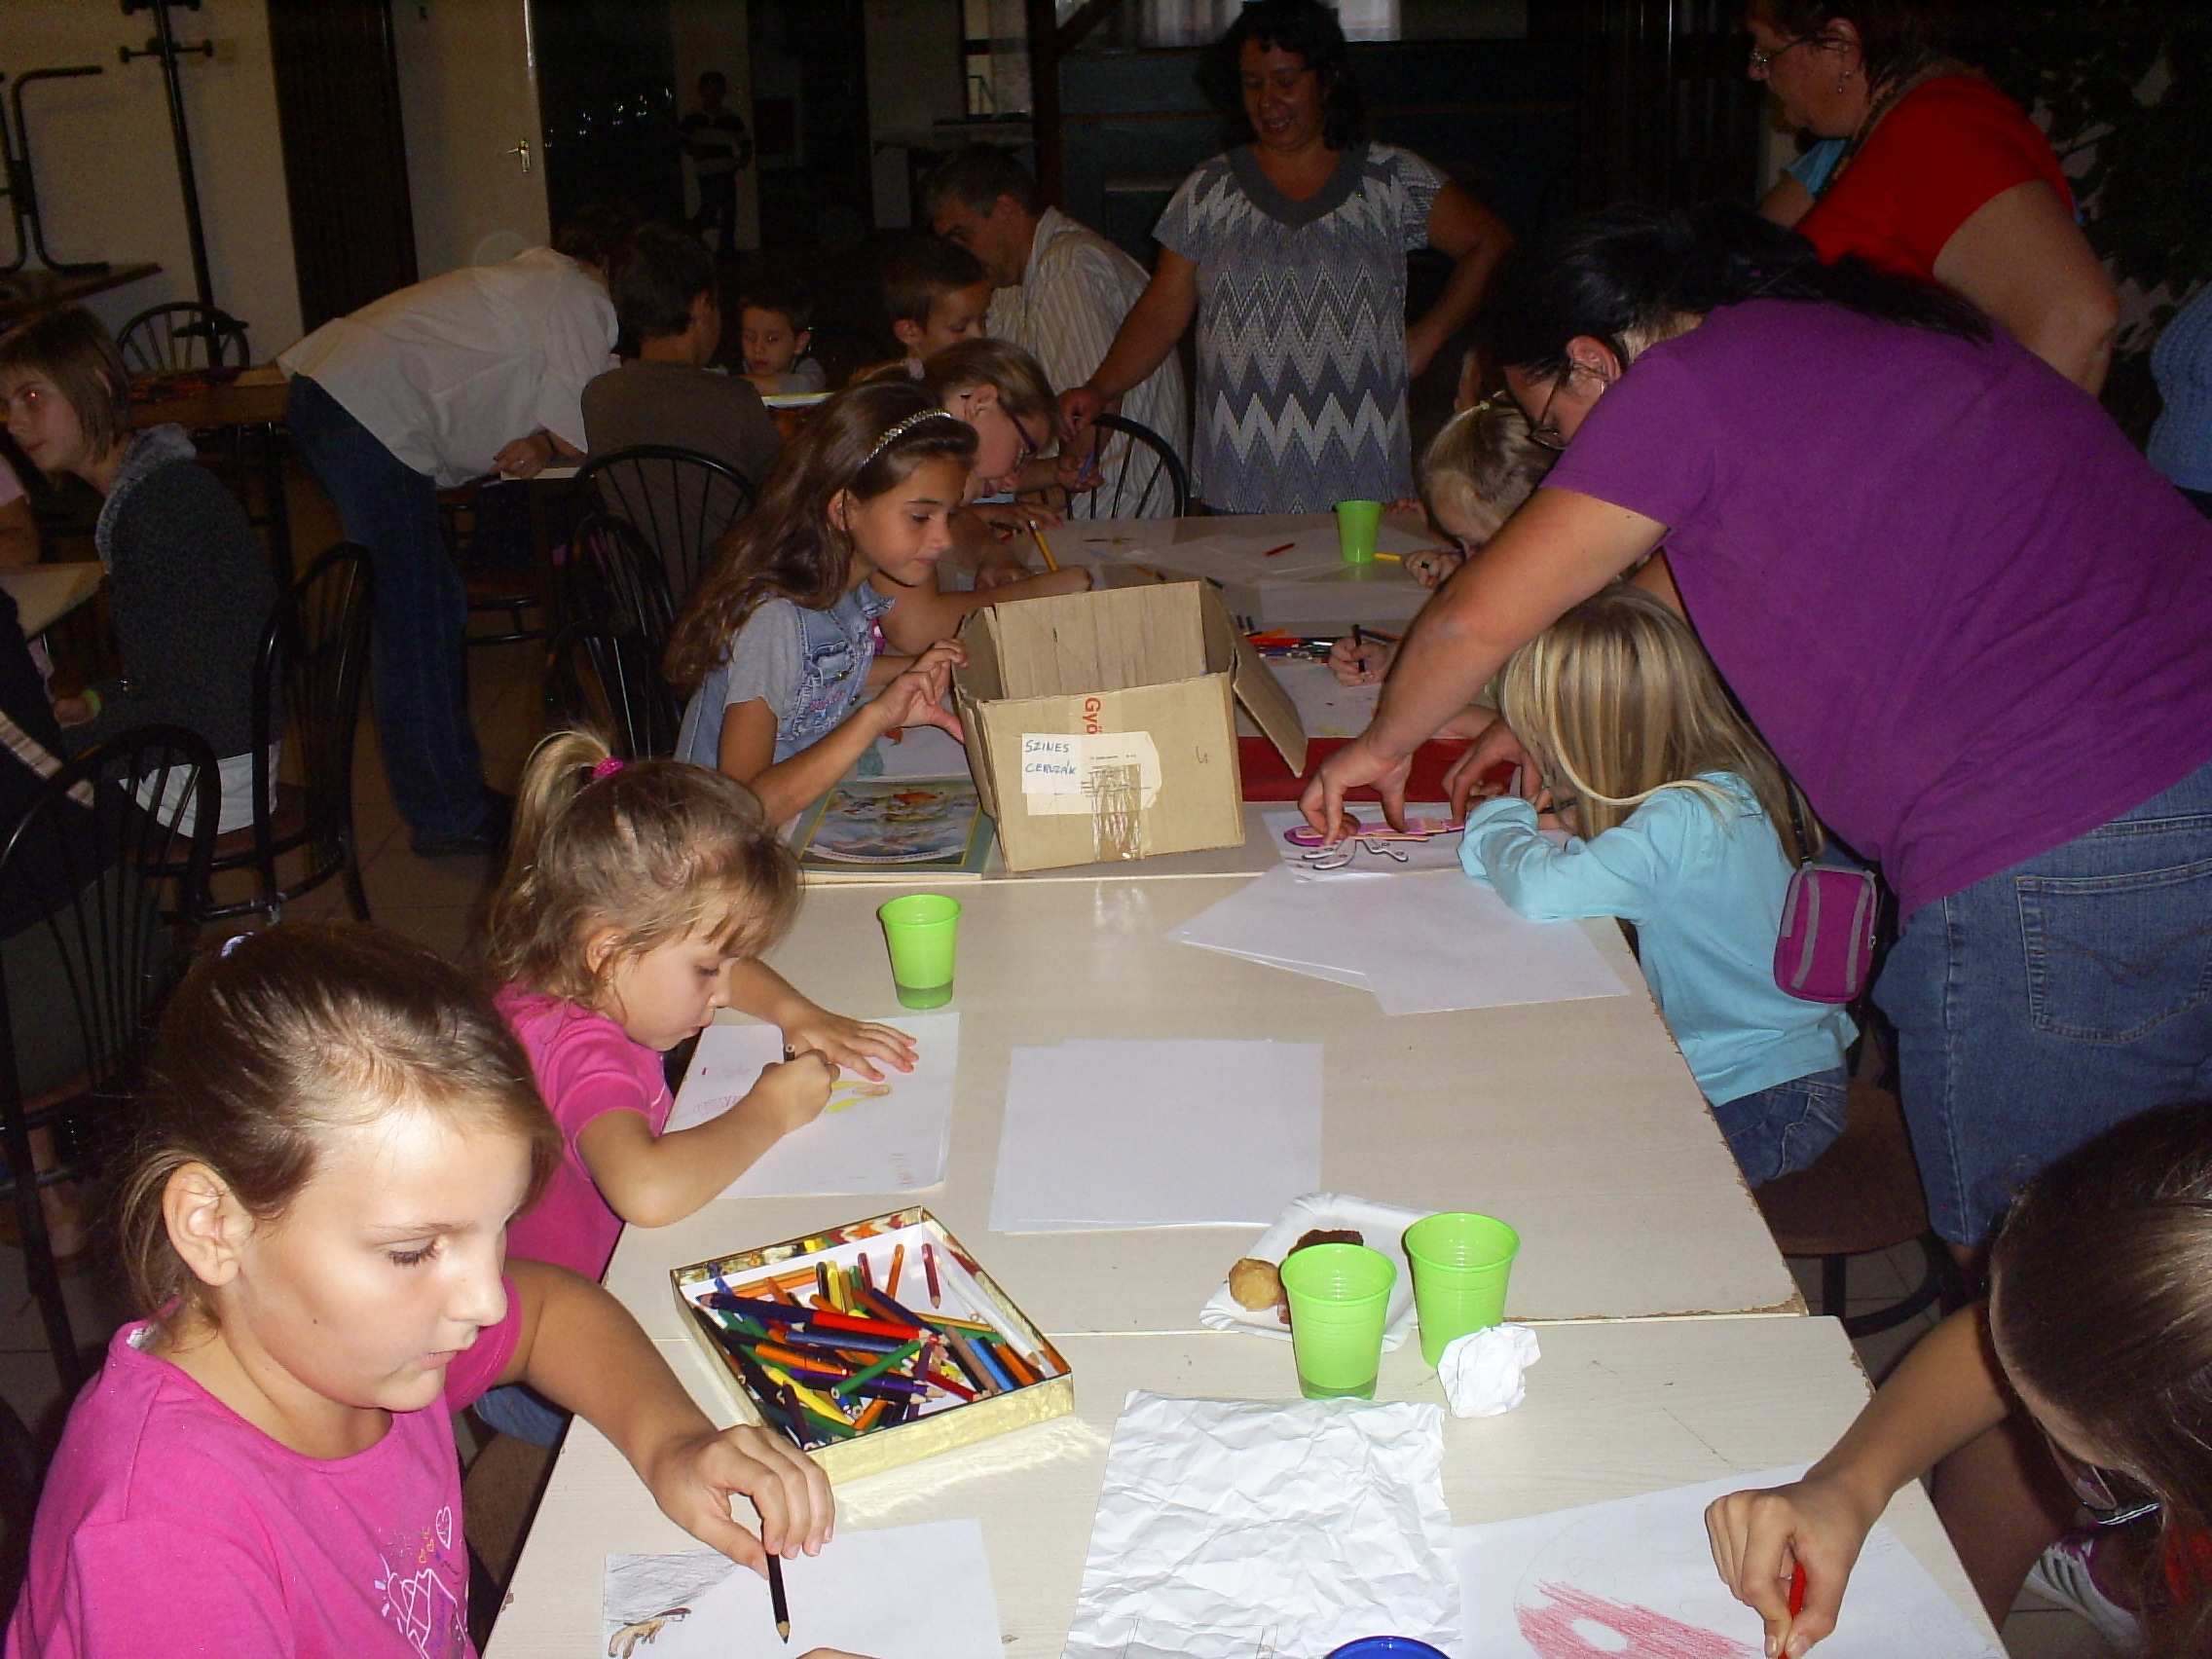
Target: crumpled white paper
x=1227, y=1527
x=1482, y=1371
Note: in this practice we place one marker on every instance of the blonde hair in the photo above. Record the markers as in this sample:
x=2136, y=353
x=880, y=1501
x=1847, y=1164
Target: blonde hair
x=1618, y=701
x=1482, y=466
x=658, y=850
x=1023, y=386
x=294, y=1032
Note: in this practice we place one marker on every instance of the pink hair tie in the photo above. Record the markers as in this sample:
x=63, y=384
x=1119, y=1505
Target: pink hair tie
x=606, y=768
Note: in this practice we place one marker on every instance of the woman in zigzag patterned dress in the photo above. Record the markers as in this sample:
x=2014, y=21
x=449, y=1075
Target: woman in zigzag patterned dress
x=1290, y=249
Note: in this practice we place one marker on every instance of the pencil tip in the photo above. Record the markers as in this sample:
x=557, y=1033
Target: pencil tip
x=784, y=1630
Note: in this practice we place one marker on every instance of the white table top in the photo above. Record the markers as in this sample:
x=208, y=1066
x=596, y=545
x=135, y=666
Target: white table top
x=43, y=594
x=1307, y=586
x=1576, y=1122
x=1612, y=1411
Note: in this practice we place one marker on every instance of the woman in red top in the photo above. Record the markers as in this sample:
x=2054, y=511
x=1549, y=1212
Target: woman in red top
x=1942, y=177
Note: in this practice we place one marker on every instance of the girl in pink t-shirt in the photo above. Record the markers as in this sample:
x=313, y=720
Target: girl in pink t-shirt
x=343, y=1129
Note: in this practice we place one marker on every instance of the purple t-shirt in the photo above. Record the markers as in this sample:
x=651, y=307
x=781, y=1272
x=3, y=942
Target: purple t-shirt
x=169, y=1525
x=1961, y=608
x=585, y=1064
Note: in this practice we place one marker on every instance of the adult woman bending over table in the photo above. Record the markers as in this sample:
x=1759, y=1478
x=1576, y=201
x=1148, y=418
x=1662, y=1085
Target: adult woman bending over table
x=1290, y=249
x=1942, y=177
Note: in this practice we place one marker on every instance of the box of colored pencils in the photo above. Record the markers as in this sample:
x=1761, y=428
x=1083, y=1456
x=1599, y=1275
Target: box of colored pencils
x=871, y=1344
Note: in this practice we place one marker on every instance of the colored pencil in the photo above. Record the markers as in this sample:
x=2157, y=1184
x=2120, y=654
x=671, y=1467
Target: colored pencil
x=863, y=1323
x=928, y=1265
x=1043, y=546
x=776, y=1602
x=1011, y=1358
x=868, y=1274
x=868, y=1373
x=1284, y=548
x=897, y=1261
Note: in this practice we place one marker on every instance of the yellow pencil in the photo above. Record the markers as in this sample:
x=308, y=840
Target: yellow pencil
x=1043, y=546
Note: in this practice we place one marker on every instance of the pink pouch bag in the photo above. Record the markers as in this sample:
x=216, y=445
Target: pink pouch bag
x=1825, y=949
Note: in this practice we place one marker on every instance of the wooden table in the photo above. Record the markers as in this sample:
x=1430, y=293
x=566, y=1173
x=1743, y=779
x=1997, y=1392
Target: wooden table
x=1613, y=1410
x=1578, y=1122
x=253, y=398
x=28, y=291
x=43, y=594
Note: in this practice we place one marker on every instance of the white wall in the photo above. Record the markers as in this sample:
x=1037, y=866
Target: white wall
x=106, y=171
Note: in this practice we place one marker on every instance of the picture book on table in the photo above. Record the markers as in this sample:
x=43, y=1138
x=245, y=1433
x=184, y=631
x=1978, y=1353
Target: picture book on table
x=876, y=828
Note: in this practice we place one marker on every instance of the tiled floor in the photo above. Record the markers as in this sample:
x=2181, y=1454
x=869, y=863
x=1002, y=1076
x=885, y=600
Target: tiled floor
x=438, y=901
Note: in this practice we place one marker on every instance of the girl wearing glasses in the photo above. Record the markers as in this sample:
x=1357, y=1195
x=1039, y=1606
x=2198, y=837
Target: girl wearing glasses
x=1939, y=175
x=2098, y=1333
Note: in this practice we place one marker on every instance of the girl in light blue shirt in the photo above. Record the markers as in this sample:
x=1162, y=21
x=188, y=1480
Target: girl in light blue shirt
x=1685, y=821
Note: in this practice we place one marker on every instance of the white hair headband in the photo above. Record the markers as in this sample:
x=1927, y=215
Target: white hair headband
x=901, y=429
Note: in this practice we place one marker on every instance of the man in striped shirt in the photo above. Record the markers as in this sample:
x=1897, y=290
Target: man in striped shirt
x=1063, y=290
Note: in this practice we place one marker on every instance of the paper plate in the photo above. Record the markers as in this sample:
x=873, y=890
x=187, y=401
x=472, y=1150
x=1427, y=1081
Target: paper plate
x=1382, y=1226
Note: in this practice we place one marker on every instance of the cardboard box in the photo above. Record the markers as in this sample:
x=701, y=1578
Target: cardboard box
x=1102, y=725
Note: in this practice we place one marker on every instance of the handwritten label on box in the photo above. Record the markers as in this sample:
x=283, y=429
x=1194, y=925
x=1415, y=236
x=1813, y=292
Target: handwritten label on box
x=1085, y=772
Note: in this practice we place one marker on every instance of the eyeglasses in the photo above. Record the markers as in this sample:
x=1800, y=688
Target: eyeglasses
x=2112, y=1499
x=1763, y=60
x=1543, y=431
x=1029, y=450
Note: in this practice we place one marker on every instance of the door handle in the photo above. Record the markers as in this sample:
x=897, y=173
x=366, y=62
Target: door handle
x=520, y=148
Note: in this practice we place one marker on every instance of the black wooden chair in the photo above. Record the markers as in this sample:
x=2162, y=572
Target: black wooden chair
x=607, y=680
x=613, y=579
x=97, y=964
x=493, y=586
x=679, y=501
x=1142, y=475
x=308, y=679
x=166, y=339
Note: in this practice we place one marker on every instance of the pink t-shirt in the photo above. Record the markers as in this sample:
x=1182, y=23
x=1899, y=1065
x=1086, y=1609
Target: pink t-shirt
x=585, y=1064
x=171, y=1525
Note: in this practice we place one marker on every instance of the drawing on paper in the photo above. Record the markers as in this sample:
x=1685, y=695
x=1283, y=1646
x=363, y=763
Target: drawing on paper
x=848, y=1089
x=627, y=1641
x=1579, y=1624
x=912, y=822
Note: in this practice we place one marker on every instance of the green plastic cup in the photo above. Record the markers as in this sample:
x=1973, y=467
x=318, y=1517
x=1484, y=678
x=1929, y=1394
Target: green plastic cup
x=1460, y=1263
x=1357, y=523
x=921, y=929
x=1339, y=1295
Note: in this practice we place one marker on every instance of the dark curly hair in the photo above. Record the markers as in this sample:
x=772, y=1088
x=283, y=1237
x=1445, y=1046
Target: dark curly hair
x=1303, y=26
x=1894, y=36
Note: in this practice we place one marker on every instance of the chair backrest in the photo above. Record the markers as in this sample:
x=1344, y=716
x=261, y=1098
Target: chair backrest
x=308, y=679
x=93, y=848
x=613, y=579
x=182, y=336
x=1142, y=476
x=679, y=501
x=607, y=680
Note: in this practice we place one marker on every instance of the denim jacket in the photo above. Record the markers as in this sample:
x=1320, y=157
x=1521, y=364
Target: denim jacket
x=837, y=648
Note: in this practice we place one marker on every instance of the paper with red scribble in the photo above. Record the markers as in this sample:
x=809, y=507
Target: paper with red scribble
x=1553, y=1632
x=1634, y=1579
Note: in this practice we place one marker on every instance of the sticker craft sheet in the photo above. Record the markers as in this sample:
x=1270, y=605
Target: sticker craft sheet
x=904, y=1592
x=872, y=1138
x=893, y=829
x=1636, y=1575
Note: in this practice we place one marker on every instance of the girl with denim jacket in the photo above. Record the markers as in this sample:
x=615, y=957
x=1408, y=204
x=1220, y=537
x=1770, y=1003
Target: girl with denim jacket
x=1687, y=831
x=779, y=644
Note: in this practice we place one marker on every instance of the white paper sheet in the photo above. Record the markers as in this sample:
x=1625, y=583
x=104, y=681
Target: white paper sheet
x=1106, y=1135
x=1421, y=945
x=1635, y=1576
x=913, y=1592
x=1228, y=1529
x=1326, y=709
x=887, y=1137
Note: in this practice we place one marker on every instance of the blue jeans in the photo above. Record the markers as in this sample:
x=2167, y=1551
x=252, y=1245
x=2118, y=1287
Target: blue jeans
x=421, y=613
x=523, y=1413
x=1782, y=1129
x=2052, y=1000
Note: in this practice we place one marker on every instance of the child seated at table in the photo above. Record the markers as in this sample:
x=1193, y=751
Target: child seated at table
x=638, y=899
x=2093, y=1355
x=1475, y=472
x=1688, y=828
x=313, y=1223
x=772, y=317
x=188, y=588
x=934, y=293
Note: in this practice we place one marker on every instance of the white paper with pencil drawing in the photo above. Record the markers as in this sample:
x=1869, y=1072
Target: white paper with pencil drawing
x=1636, y=1575
x=1245, y=1527
x=899, y=1592
x=872, y=1138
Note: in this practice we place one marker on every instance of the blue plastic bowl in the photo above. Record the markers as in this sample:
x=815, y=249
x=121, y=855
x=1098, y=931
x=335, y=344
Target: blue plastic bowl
x=1382, y=1646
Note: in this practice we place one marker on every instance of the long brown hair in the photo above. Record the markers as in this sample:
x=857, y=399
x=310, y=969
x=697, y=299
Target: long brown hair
x=70, y=347
x=787, y=547
x=1619, y=701
x=658, y=850
x=289, y=1034
x=2102, y=1303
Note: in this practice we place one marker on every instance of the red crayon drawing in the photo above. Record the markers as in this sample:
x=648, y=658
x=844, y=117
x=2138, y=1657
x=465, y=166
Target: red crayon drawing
x=1637, y=1633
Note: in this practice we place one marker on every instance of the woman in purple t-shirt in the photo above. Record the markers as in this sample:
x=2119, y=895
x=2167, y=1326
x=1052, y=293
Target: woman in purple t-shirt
x=1963, y=611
